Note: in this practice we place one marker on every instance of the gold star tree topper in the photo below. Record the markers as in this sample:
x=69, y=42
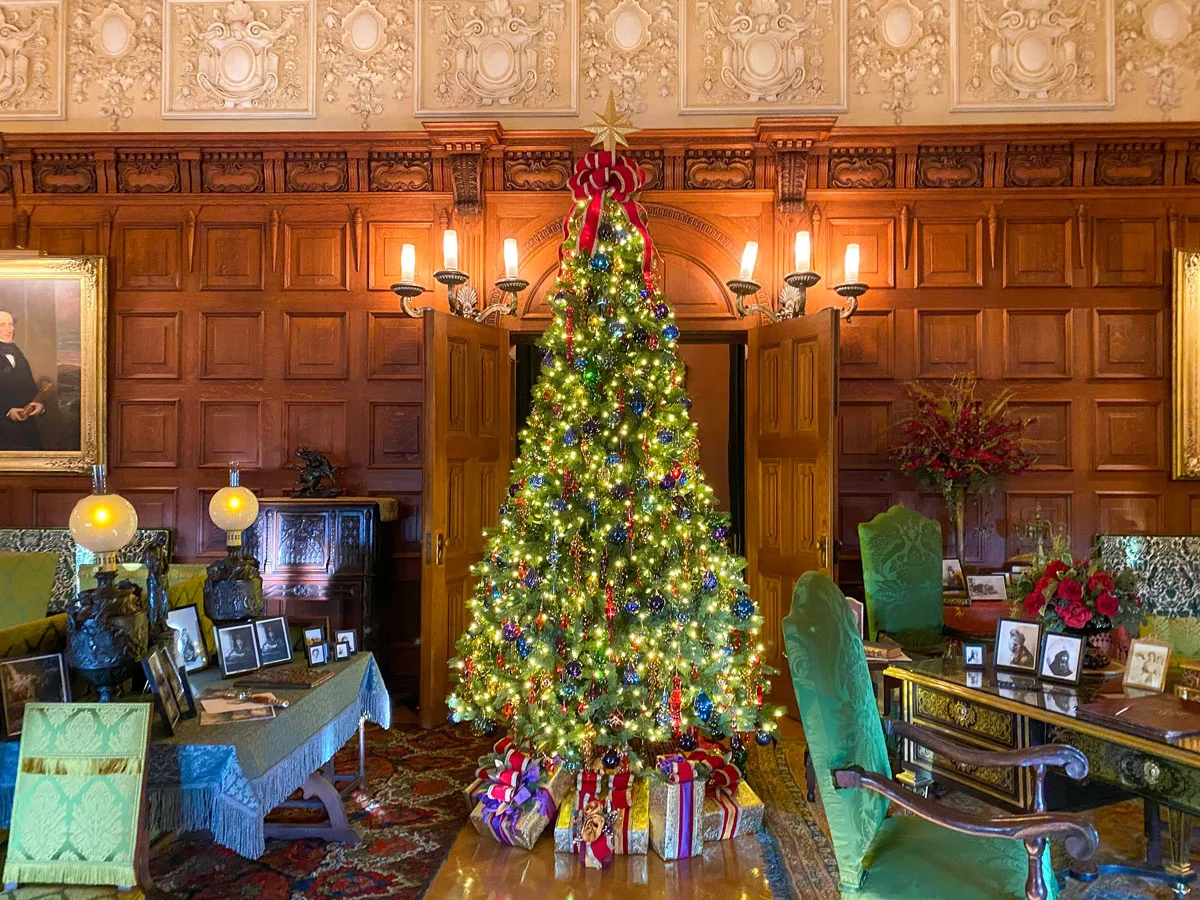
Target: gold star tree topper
x=610, y=126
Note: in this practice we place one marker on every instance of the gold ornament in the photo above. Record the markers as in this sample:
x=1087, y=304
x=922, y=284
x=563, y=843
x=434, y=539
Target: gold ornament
x=610, y=126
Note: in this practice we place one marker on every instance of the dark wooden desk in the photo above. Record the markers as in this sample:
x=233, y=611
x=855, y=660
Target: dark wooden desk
x=1005, y=711
x=979, y=619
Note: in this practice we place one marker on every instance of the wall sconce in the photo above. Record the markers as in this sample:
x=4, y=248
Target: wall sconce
x=461, y=297
x=744, y=286
x=852, y=288
x=791, y=306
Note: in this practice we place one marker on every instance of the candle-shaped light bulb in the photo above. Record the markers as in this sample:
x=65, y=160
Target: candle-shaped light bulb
x=408, y=264
x=749, y=257
x=851, y=266
x=510, y=258
x=803, y=251
x=450, y=250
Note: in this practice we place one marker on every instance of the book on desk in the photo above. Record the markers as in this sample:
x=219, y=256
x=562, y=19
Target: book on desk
x=1159, y=717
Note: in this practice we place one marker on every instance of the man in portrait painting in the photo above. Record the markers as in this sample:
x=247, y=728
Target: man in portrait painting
x=19, y=402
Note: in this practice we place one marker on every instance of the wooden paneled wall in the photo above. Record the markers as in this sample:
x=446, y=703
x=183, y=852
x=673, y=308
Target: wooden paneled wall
x=250, y=310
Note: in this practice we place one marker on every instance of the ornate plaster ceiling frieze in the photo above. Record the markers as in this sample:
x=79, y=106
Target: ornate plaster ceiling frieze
x=32, y=59
x=750, y=55
x=115, y=55
x=364, y=57
x=1158, y=49
x=896, y=47
x=630, y=47
x=239, y=59
x=496, y=56
x=1032, y=54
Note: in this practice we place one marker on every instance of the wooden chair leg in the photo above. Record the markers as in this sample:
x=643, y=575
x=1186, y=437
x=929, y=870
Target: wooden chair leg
x=1152, y=819
x=1035, y=883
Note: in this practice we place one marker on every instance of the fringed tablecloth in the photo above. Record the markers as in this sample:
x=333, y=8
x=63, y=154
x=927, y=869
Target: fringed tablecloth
x=226, y=778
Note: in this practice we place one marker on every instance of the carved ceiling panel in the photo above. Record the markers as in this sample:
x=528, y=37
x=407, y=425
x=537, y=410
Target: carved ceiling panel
x=32, y=44
x=630, y=47
x=496, y=57
x=365, y=54
x=899, y=51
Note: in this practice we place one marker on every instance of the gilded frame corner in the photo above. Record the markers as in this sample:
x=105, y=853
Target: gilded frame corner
x=1185, y=368
x=91, y=272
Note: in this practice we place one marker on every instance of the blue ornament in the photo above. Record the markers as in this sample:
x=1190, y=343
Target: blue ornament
x=499, y=561
x=632, y=606
x=666, y=436
x=618, y=535
x=638, y=403
x=548, y=358
x=686, y=403
x=643, y=483
x=743, y=607
x=570, y=437
x=531, y=579
x=631, y=674
x=600, y=262
x=657, y=603
x=684, y=514
x=662, y=718
x=719, y=533
x=524, y=648
x=682, y=616
x=762, y=738
x=618, y=492
x=568, y=689
x=611, y=759
x=661, y=311
x=617, y=329
x=536, y=481
x=710, y=581
x=687, y=743
x=574, y=669
x=613, y=458
x=558, y=504
x=671, y=332
x=509, y=631
x=581, y=363
x=495, y=592
x=553, y=556
x=703, y=706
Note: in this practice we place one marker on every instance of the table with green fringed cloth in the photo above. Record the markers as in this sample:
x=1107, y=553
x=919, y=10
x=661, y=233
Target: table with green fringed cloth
x=226, y=778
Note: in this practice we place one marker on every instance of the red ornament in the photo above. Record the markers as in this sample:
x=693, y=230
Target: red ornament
x=508, y=709
x=676, y=704
x=676, y=470
x=570, y=332
x=500, y=660
x=610, y=607
x=652, y=342
x=758, y=694
x=564, y=622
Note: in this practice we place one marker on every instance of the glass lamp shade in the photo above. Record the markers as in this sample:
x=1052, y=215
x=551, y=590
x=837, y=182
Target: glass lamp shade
x=233, y=509
x=103, y=523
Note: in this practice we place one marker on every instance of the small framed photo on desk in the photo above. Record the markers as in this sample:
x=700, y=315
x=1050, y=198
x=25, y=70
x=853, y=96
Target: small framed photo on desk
x=1146, y=665
x=1061, y=658
x=952, y=575
x=973, y=656
x=1017, y=645
x=987, y=587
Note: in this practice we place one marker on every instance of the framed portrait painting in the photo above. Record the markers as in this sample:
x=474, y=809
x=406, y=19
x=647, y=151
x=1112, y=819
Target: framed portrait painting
x=52, y=371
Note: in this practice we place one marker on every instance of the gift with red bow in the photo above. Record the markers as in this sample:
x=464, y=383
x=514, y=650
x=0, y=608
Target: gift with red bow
x=520, y=797
x=609, y=815
x=475, y=790
x=677, y=806
x=731, y=808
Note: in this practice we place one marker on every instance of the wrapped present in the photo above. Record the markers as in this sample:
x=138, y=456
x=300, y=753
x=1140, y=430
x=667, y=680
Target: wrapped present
x=520, y=799
x=475, y=790
x=607, y=816
x=731, y=808
x=677, y=807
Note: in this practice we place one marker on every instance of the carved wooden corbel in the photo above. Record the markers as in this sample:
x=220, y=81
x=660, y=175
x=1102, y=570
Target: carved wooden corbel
x=466, y=145
x=189, y=234
x=273, y=228
x=107, y=218
x=20, y=228
x=1173, y=226
x=904, y=214
x=792, y=138
x=993, y=224
x=356, y=235
x=1081, y=231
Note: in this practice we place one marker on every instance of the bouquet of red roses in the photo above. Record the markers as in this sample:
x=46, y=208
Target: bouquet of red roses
x=1080, y=594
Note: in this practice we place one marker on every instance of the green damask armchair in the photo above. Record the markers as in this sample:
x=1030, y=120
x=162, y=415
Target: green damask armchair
x=902, y=579
x=26, y=584
x=935, y=853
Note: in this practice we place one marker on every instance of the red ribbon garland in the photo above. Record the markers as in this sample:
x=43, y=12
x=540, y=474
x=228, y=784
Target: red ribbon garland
x=608, y=172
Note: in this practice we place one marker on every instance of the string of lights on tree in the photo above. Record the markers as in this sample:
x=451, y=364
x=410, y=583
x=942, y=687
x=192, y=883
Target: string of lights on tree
x=609, y=615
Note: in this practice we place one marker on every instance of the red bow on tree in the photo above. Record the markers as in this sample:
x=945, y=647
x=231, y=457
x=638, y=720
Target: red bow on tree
x=607, y=172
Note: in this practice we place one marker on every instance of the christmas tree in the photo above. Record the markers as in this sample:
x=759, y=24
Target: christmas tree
x=609, y=617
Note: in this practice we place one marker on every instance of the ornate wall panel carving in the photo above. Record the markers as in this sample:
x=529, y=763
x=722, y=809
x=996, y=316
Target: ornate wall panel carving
x=317, y=172
x=64, y=173
x=390, y=171
x=150, y=257
x=898, y=51
x=950, y=167
x=1126, y=165
x=866, y=167
x=949, y=254
x=232, y=172
x=32, y=78
x=1037, y=253
x=314, y=257
x=1049, y=54
x=315, y=345
x=867, y=342
x=719, y=169
x=242, y=59
x=1046, y=165
x=1129, y=436
x=630, y=47
x=770, y=54
x=537, y=170
x=497, y=56
x=116, y=57
x=365, y=55
x=308, y=423
x=394, y=347
x=148, y=173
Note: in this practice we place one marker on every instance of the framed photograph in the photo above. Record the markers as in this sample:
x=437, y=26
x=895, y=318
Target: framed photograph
x=974, y=656
x=31, y=679
x=314, y=634
x=156, y=667
x=987, y=587
x=183, y=684
x=190, y=639
x=342, y=650
x=318, y=654
x=237, y=649
x=1146, y=665
x=952, y=575
x=348, y=636
x=272, y=637
x=1061, y=658
x=52, y=362
x=1017, y=645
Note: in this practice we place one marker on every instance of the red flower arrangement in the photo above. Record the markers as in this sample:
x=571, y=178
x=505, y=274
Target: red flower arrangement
x=1078, y=594
x=960, y=443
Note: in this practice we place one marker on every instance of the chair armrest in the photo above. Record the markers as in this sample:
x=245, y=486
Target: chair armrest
x=48, y=635
x=1076, y=832
x=1059, y=756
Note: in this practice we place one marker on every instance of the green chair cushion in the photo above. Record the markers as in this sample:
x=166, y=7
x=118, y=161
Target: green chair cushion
x=1183, y=634
x=839, y=712
x=48, y=635
x=902, y=572
x=26, y=583
x=912, y=859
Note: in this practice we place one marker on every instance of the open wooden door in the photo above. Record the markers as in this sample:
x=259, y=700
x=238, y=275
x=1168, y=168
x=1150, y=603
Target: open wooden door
x=467, y=444
x=791, y=468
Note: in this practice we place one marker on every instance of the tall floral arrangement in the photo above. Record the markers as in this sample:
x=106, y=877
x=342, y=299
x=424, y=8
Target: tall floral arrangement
x=960, y=443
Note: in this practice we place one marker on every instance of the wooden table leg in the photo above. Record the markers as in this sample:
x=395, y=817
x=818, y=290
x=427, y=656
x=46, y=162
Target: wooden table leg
x=336, y=829
x=1152, y=825
x=1179, y=849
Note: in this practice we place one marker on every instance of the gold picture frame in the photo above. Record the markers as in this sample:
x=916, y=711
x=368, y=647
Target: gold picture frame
x=53, y=335
x=1185, y=389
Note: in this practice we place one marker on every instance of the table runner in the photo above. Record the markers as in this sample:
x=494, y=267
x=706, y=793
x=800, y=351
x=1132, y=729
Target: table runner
x=226, y=778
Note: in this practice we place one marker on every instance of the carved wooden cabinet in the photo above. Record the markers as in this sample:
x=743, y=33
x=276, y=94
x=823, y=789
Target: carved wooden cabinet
x=318, y=559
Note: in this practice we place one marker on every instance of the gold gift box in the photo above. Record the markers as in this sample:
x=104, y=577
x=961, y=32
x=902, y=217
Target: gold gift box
x=638, y=816
x=750, y=814
x=530, y=823
x=665, y=822
x=1189, y=675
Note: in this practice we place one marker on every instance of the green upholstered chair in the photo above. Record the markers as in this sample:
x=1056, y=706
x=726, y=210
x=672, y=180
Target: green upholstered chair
x=902, y=578
x=26, y=585
x=936, y=853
